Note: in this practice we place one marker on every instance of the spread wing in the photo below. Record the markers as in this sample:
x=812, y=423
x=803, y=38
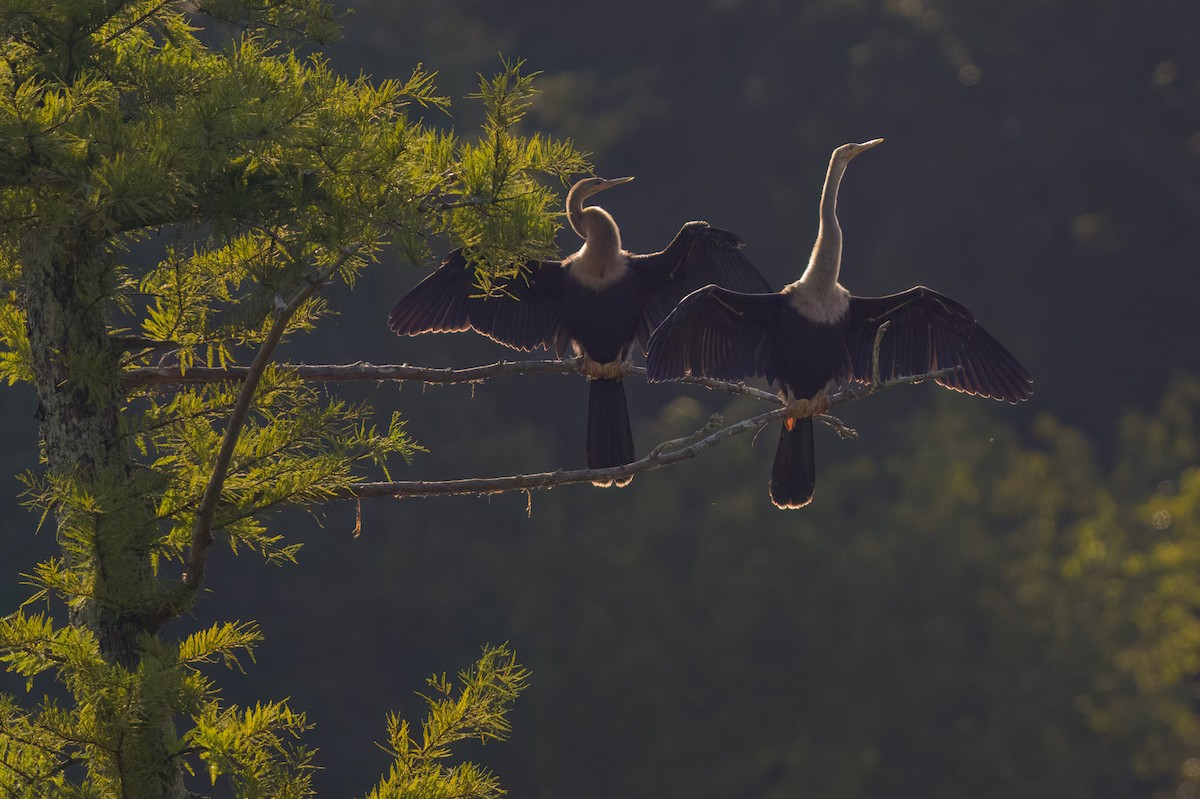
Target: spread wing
x=928, y=332
x=714, y=332
x=526, y=313
x=698, y=256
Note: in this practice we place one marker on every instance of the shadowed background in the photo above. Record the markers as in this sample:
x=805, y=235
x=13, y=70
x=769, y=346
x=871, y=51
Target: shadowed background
x=982, y=599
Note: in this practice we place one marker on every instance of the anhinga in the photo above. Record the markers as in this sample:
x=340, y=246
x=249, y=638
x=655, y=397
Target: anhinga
x=814, y=333
x=599, y=300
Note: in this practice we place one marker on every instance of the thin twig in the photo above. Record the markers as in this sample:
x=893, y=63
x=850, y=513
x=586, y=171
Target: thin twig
x=202, y=527
x=843, y=430
x=713, y=424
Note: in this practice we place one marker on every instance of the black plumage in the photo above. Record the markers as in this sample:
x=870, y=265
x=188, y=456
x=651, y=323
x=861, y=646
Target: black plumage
x=598, y=301
x=814, y=333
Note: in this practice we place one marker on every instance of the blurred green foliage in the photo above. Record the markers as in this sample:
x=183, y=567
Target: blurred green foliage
x=962, y=610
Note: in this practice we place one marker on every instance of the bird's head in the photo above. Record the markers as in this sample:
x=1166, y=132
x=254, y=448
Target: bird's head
x=848, y=151
x=577, y=214
x=589, y=186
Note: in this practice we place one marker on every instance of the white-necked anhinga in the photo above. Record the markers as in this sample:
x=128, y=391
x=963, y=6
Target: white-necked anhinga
x=815, y=333
x=599, y=300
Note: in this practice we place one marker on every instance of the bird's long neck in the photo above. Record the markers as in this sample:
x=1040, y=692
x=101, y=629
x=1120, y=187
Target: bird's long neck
x=575, y=199
x=601, y=251
x=826, y=259
x=600, y=232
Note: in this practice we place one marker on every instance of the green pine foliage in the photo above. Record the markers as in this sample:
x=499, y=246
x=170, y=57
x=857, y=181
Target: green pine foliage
x=170, y=195
x=476, y=710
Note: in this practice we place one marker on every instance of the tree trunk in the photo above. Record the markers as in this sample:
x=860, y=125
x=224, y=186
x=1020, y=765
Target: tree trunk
x=77, y=376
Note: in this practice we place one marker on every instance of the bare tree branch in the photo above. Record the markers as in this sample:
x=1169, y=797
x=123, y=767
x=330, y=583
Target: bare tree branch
x=166, y=376
x=347, y=373
x=664, y=454
x=202, y=527
x=525, y=482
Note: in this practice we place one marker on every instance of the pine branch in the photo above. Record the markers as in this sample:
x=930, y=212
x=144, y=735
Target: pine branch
x=664, y=454
x=202, y=528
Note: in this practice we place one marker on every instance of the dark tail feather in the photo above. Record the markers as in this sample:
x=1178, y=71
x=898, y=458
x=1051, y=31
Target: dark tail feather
x=794, y=475
x=610, y=440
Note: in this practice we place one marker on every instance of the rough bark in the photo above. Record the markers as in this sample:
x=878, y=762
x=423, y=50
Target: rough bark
x=79, y=389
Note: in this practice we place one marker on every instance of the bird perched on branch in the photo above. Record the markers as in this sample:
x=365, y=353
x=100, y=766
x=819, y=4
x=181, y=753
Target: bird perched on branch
x=598, y=301
x=815, y=333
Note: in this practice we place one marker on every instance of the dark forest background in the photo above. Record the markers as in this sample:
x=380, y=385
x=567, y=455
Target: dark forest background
x=983, y=600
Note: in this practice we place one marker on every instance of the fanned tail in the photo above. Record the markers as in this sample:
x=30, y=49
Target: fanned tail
x=794, y=475
x=610, y=439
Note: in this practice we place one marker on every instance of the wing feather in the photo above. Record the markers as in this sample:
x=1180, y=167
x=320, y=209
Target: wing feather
x=699, y=255
x=527, y=314
x=928, y=332
x=714, y=332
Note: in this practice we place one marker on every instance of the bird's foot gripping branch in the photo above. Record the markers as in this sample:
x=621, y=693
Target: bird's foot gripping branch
x=613, y=370
x=804, y=407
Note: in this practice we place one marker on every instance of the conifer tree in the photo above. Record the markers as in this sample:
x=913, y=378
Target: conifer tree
x=178, y=182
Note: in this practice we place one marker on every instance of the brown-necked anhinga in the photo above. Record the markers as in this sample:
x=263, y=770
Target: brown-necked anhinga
x=599, y=300
x=815, y=333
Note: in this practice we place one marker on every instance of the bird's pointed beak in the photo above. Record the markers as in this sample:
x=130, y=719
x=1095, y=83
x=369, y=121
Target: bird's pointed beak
x=869, y=144
x=608, y=184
